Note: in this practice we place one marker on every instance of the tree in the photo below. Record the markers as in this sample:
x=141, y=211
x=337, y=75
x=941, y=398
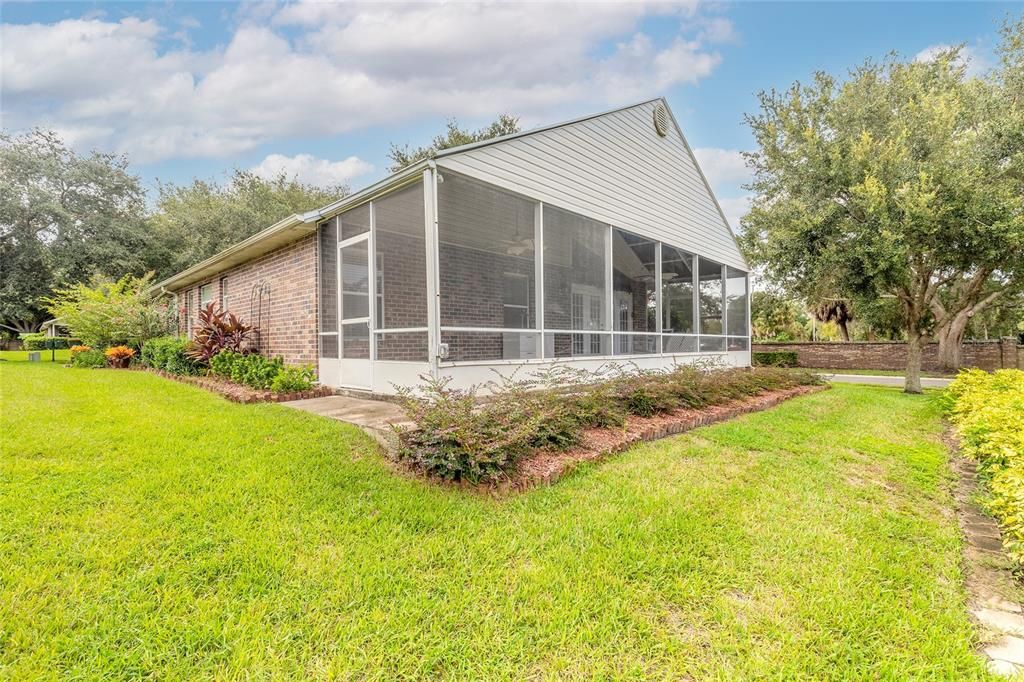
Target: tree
x=835, y=310
x=776, y=317
x=193, y=222
x=63, y=218
x=106, y=312
x=896, y=182
x=453, y=137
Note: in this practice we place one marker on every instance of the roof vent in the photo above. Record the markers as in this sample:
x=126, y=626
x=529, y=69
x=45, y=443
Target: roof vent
x=661, y=119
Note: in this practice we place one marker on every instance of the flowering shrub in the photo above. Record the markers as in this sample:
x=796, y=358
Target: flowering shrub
x=119, y=356
x=79, y=349
x=459, y=436
x=987, y=411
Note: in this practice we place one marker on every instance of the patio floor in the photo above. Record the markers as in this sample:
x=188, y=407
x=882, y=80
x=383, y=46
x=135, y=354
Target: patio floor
x=372, y=416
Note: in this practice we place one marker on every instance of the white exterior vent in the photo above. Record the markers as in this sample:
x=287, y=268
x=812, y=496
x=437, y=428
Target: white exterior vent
x=661, y=119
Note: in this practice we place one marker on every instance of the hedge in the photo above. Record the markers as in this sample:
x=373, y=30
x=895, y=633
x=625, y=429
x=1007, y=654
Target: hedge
x=774, y=358
x=460, y=437
x=40, y=341
x=987, y=411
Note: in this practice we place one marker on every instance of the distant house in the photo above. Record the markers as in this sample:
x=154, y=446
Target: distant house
x=590, y=241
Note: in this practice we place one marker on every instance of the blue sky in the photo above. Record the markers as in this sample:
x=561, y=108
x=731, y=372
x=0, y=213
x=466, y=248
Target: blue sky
x=320, y=90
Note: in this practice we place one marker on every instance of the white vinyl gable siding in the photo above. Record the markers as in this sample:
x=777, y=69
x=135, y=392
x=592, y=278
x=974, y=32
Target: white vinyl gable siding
x=614, y=168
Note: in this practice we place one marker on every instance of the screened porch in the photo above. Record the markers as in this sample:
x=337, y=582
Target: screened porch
x=448, y=275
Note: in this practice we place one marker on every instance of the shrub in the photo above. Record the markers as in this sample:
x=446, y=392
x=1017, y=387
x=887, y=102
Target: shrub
x=119, y=356
x=987, y=411
x=89, y=358
x=455, y=439
x=168, y=353
x=774, y=358
x=291, y=379
x=217, y=331
x=105, y=313
x=40, y=341
x=459, y=437
x=250, y=369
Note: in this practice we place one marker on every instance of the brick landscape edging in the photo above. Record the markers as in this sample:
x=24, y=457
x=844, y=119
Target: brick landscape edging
x=546, y=467
x=243, y=394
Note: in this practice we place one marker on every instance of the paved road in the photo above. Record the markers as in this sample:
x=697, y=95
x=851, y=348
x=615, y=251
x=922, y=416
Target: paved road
x=884, y=380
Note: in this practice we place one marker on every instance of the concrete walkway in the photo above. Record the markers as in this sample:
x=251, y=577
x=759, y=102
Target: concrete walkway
x=372, y=416
x=884, y=380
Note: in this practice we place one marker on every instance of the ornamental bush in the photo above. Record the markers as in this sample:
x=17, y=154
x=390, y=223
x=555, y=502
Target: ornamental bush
x=249, y=369
x=461, y=435
x=119, y=356
x=106, y=313
x=987, y=411
x=90, y=358
x=169, y=353
x=292, y=379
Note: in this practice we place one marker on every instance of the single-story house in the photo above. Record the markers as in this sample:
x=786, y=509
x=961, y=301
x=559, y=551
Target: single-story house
x=592, y=241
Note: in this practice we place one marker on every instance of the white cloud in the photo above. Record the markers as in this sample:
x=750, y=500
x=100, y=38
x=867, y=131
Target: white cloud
x=974, y=62
x=319, y=69
x=308, y=168
x=734, y=209
x=722, y=166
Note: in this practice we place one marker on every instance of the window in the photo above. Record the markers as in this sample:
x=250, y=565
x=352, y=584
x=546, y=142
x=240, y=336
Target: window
x=486, y=244
x=710, y=275
x=205, y=294
x=224, y=293
x=633, y=286
x=516, y=294
x=736, y=302
x=676, y=291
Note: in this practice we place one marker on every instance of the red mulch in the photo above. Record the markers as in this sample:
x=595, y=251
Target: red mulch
x=547, y=466
x=243, y=394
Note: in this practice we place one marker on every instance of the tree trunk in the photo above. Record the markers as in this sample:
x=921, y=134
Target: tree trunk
x=951, y=337
x=912, y=382
x=844, y=331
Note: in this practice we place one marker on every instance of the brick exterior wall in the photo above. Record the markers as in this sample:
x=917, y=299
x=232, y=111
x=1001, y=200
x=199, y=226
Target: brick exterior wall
x=288, y=325
x=892, y=355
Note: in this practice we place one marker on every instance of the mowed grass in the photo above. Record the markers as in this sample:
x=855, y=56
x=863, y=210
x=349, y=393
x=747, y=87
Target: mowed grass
x=150, y=529
x=59, y=355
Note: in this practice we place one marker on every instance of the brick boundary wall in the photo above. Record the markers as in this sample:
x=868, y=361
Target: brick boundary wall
x=892, y=355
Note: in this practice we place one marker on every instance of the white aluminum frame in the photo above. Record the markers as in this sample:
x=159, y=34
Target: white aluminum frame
x=408, y=371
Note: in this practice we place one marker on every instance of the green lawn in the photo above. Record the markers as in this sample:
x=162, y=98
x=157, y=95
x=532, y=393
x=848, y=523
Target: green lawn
x=150, y=529
x=875, y=372
x=62, y=356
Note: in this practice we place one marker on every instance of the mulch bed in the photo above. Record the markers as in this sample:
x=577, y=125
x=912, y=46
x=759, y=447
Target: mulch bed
x=547, y=466
x=243, y=394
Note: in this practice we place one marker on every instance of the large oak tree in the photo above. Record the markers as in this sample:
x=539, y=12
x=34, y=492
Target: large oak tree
x=903, y=181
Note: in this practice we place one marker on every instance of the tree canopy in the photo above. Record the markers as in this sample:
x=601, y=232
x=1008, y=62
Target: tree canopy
x=193, y=222
x=454, y=136
x=904, y=180
x=64, y=216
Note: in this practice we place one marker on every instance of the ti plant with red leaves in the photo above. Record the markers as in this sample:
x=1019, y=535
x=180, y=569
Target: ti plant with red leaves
x=218, y=330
